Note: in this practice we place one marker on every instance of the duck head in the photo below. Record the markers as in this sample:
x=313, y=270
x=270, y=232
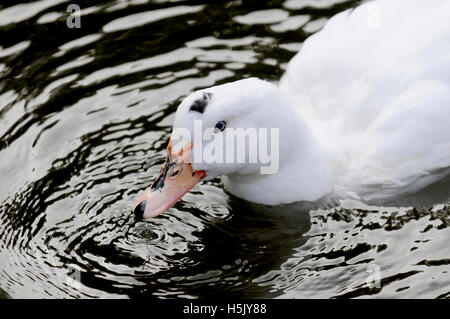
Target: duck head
x=202, y=148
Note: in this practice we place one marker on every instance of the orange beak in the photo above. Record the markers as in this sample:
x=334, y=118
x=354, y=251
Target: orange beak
x=176, y=178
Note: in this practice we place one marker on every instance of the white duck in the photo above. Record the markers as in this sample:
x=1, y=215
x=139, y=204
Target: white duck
x=363, y=110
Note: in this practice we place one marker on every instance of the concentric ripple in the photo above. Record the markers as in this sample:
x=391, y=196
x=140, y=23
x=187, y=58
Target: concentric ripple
x=85, y=116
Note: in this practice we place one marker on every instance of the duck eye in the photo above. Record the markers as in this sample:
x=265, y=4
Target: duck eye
x=221, y=125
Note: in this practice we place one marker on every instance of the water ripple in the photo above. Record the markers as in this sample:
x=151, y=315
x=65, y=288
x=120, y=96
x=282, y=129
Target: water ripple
x=85, y=117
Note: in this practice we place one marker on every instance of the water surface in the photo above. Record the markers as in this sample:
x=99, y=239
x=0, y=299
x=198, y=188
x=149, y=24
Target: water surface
x=85, y=116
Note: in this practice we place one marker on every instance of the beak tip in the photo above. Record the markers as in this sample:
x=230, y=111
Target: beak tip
x=139, y=210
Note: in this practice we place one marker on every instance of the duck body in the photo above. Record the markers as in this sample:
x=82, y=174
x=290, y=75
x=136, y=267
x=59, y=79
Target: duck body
x=375, y=84
x=363, y=111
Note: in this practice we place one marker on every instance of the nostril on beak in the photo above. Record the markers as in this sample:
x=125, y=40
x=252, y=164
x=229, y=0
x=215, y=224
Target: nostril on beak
x=139, y=210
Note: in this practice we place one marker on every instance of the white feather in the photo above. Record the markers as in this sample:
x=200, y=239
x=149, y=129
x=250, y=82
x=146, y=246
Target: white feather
x=376, y=82
x=364, y=107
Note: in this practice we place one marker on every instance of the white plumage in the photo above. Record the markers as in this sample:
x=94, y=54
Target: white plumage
x=363, y=108
x=376, y=82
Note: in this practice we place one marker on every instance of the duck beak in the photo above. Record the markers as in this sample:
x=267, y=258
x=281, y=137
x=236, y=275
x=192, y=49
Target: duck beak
x=176, y=178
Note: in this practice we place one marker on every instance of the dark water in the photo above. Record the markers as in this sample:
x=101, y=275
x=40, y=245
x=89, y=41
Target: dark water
x=85, y=115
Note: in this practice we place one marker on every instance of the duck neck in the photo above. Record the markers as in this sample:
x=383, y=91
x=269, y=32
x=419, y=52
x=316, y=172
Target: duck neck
x=305, y=172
